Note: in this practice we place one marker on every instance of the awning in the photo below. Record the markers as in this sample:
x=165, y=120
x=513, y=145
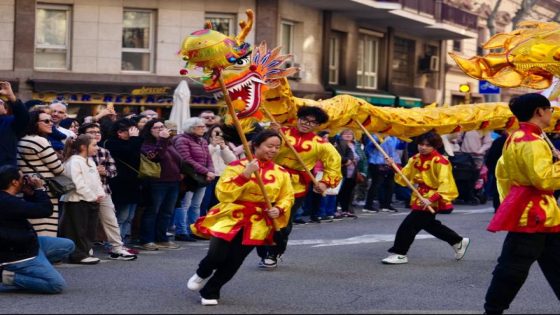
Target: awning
x=378, y=99
x=410, y=102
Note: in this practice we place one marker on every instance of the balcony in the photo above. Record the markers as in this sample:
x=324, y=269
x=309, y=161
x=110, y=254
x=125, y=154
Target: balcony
x=442, y=13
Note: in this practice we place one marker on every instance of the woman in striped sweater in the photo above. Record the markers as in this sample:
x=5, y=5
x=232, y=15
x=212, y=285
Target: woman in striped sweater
x=36, y=155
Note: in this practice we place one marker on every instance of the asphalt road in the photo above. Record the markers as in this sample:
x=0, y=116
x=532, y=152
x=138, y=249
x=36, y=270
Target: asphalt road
x=328, y=268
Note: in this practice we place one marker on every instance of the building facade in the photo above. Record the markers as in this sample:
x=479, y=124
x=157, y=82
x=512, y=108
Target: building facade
x=391, y=52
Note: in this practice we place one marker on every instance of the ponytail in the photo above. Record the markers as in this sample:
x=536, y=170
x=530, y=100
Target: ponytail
x=72, y=146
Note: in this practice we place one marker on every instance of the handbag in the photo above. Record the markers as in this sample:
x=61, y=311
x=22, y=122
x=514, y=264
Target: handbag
x=191, y=176
x=58, y=185
x=148, y=168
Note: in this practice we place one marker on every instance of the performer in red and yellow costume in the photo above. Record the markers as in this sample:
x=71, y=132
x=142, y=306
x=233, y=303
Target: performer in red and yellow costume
x=311, y=149
x=526, y=177
x=432, y=174
x=241, y=221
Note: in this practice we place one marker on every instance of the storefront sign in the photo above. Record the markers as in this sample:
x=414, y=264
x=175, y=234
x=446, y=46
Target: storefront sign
x=133, y=99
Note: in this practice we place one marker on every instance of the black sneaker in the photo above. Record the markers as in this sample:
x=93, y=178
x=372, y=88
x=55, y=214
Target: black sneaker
x=270, y=262
x=300, y=221
x=315, y=220
x=329, y=218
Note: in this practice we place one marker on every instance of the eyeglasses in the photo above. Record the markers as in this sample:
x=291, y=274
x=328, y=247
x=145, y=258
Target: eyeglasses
x=203, y=126
x=46, y=121
x=208, y=117
x=311, y=123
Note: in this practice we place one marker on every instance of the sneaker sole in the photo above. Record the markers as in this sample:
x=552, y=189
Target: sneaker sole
x=122, y=258
x=394, y=263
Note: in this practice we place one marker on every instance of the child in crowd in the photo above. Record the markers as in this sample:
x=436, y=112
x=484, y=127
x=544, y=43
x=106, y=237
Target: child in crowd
x=81, y=207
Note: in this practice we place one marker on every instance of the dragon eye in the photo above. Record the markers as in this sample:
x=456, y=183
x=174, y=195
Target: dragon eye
x=242, y=61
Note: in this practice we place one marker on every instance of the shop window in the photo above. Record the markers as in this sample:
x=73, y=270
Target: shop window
x=368, y=60
x=138, y=40
x=52, y=37
x=223, y=23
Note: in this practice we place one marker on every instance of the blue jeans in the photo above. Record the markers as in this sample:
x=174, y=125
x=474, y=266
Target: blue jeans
x=157, y=215
x=38, y=274
x=189, y=211
x=328, y=206
x=125, y=215
x=210, y=198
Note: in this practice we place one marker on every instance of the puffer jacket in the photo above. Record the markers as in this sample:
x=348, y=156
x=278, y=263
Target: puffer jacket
x=194, y=150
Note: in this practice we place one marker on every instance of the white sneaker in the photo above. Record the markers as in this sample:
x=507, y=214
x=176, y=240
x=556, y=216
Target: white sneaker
x=89, y=261
x=121, y=254
x=208, y=302
x=461, y=248
x=395, y=260
x=196, y=283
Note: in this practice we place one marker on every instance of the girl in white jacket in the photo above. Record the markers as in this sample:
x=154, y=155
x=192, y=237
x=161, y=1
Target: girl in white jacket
x=81, y=206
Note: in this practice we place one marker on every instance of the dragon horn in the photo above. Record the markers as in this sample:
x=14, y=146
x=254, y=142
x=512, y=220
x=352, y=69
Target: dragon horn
x=245, y=27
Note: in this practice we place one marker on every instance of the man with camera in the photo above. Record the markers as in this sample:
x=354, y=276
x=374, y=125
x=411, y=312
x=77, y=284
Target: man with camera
x=25, y=258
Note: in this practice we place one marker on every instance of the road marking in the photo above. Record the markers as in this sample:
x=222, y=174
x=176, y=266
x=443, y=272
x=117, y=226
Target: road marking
x=363, y=239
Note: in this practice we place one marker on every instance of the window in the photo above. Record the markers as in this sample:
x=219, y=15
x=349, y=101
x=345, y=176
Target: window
x=52, y=37
x=457, y=45
x=402, y=61
x=138, y=41
x=223, y=23
x=368, y=58
x=334, y=58
x=287, y=37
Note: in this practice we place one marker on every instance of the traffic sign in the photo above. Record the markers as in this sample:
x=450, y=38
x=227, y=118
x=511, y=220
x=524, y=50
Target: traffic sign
x=485, y=87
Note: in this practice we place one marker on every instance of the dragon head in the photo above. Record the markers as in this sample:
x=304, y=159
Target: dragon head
x=247, y=75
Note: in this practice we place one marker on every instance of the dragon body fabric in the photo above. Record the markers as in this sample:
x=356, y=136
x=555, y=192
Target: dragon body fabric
x=258, y=77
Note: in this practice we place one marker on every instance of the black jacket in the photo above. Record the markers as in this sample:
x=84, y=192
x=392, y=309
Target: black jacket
x=12, y=127
x=18, y=240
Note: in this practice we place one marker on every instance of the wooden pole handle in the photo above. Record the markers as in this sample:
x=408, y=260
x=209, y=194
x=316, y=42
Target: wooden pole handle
x=393, y=165
x=245, y=145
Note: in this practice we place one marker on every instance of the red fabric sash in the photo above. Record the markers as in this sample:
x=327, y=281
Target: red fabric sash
x=511, y=209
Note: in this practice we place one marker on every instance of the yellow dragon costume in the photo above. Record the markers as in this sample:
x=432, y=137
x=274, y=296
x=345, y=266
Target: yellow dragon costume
x=259, y=79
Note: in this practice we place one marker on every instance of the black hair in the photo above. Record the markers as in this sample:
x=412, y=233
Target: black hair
x=136, y=118
x=208, y=134
x=121, y=125
x=262, y=136
x=320, y=115
x=432, y=138
x=67, y=122
x=8, y=173
x=146, y=132
x=84, y=127
x=524, y=106
x=32, y=126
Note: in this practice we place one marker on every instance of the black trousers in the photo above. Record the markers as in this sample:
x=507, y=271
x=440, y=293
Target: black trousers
x=382, y=178
x=79, y=224
x=344, y=198
x=225, y=258
x=281, y=237
x=414, y=223
x=519, y=252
